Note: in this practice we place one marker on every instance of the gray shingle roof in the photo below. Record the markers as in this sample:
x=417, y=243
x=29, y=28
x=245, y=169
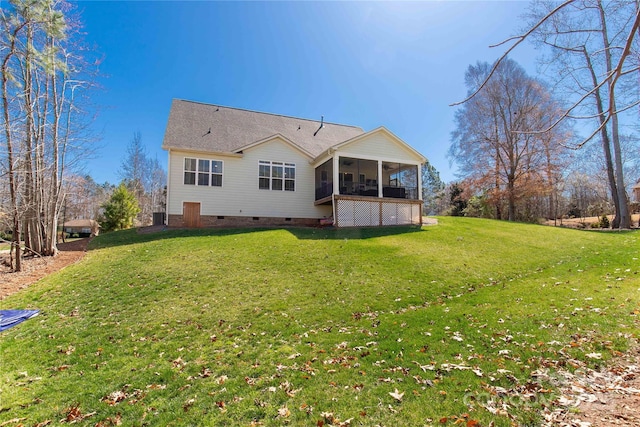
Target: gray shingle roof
x=214, y=128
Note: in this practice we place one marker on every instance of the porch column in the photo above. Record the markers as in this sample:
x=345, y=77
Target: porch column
x=336, y=174
x=380, y=178
x=419, y=176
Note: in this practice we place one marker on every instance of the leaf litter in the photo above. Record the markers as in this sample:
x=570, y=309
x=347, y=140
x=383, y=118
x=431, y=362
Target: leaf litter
x=598, y=398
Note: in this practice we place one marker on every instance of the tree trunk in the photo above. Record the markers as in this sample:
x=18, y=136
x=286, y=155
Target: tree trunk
x=550, y=180
x=51, y=231
x=15, y=213
x=622, y=218
x=29, y=179
x=604, y=134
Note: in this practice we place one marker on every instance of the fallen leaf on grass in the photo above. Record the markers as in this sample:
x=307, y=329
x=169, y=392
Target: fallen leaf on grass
x=157, y=386
x=425, y=368
x=205, y=372
x=188, y=404
x=114, y=397
x=284, y=412
x=115, y=421
x=397, y=395
x=74, y=415
x=288, y=388
x=330, y=419
x=70, y=349
x=178, y=363
x=12, y=421
x=308, y=409
x=118, y=396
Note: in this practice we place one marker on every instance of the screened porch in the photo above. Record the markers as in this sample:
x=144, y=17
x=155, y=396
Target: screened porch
x=366, y=178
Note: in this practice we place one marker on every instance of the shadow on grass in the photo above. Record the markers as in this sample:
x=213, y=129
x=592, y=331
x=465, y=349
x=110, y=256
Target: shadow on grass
x=130, y=237
x=352, y=233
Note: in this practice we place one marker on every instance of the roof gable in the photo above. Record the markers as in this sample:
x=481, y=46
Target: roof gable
x=204, y=127
x=276, y=137
x=389, y=135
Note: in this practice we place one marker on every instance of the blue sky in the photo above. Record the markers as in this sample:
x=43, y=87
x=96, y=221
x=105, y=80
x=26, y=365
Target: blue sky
x=392, y=64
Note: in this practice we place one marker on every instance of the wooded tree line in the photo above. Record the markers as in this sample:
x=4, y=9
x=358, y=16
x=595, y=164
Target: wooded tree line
x=43, y=80
x=518, y=139
x=143, y=181
x=46, y=77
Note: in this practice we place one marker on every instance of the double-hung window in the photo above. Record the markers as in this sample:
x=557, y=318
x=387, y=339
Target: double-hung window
x=203, y=172
x=289, y=177
x=264, y=175
x=216, y=173
x=278, y=176
x=190, y=171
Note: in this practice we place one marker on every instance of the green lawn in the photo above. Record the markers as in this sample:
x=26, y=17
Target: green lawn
x=391, y=326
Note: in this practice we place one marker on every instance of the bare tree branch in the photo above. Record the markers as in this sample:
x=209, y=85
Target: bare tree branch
x=519, y=39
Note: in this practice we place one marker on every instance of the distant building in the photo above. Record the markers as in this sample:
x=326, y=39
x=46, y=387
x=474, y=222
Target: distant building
x=636, y=191
x=82, y=227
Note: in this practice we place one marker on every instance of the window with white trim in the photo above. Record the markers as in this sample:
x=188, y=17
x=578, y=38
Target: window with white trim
x=203, y=172
x=278, y=176
x=190, y=171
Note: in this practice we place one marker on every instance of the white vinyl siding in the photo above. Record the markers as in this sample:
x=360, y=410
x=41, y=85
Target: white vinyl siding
x=241, y=195
x=379, y=146
x=202, y=172
x=278, y=176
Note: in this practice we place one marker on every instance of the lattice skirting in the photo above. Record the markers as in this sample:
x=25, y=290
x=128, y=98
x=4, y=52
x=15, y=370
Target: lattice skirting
x=367, y=213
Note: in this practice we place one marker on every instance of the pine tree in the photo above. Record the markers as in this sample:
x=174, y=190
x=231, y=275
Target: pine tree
x=120, y=210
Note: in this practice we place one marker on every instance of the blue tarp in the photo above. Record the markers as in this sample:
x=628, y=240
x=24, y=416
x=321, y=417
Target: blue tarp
x=9, y=318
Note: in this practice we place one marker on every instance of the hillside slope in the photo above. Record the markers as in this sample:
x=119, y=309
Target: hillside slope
x=468, y=321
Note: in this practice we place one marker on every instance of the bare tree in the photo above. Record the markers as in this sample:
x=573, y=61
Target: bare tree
x=494, y=145
x=84, y=197
x=432, y=188
x=595, y=55
x=144, y=177
x=158, y=187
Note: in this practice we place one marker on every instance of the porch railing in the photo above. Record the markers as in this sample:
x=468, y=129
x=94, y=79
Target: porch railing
x=410, y=193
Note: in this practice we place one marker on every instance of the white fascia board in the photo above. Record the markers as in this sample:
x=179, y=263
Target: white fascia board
x=204, y=153
x=169, y=194
x=322, y=158
x=376, y=158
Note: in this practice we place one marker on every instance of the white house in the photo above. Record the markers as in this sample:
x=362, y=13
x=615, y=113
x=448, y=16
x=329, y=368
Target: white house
x=234, y=167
